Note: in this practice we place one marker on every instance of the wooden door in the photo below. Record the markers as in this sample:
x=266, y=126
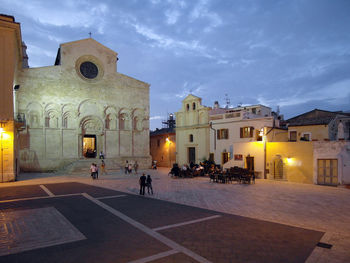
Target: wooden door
x=327, y=171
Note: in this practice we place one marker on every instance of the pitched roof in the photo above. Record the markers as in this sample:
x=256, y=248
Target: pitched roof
x=315, y=117
x=191, y=97
x=163, y=131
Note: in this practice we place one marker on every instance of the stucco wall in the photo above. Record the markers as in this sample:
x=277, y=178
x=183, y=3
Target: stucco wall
x=252, y=149
x=339, y=150
x=297, y=158
x=195, y=122
x=218, y=146
x=164, y=154
x=318, y=132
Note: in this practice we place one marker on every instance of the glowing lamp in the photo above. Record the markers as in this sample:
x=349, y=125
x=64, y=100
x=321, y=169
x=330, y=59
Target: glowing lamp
x=290, y=160
x=261, y=133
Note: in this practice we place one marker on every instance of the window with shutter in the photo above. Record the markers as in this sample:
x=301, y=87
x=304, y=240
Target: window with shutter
x=222, y=134
x=246, y=132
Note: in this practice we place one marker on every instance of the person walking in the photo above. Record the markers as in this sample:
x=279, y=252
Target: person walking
x=126, y=166
x=92, y=170
x=142, y=182
x=130, y=168
x=149, y=184
x=96, y=171
x=103, y=167
x=136, y=166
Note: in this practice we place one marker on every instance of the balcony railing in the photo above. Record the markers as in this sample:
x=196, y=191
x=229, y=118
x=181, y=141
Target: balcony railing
x=20, y=120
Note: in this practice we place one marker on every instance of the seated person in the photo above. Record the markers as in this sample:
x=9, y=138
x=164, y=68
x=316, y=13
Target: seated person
x=175, y=170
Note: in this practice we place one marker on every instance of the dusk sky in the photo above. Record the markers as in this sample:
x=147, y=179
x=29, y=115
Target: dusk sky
x=291, y=53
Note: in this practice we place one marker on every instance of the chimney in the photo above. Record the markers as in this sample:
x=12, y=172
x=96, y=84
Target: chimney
x=216, y=105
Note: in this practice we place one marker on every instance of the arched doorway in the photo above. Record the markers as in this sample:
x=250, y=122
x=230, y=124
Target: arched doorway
x=91, y=138
x=278, y=168
x=89, y=146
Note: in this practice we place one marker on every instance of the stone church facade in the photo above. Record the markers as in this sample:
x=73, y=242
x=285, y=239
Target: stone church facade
x=80, y=107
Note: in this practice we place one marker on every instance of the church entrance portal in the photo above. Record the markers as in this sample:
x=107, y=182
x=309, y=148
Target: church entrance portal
x=89, y=146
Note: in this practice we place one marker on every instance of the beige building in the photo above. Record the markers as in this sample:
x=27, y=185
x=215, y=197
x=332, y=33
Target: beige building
x=319, y=125
x=11, y=57
x=192, y=131
x=163, y=144
x=82, y=106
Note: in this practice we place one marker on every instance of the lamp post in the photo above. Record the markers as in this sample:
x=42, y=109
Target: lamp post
x=263, y=135
x=2, y=155
x=169, y=145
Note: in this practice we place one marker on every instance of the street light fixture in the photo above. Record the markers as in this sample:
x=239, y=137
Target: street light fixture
x=2, y=154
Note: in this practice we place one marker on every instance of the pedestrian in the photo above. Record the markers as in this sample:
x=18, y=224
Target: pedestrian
x=142, y=182
x=102, y=156
x=130, y=168
x=136, y=166
x=126, y=167
x=103, y=167
x=92, y=170
x=149, y=184
x=96, y=171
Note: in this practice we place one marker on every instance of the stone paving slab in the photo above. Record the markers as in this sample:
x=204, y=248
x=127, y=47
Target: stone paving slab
x=108, y=238
x=15, y=192
x=156, y=213
x=73, y=188
x=238, y=239
x=22, y=230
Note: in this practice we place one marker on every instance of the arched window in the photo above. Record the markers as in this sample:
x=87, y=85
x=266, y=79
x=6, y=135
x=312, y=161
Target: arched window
x=188, y=107
x=191, y=137
x=194, y=106
x=122, y=122
x=47, y=121
x=65, y=122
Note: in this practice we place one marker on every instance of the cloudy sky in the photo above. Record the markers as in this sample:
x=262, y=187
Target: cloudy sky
x=290, y=53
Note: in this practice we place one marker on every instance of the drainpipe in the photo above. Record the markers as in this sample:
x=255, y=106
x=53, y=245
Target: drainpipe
x=211, y=127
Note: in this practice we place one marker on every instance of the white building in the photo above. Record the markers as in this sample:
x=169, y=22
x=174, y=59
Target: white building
x=231, y=130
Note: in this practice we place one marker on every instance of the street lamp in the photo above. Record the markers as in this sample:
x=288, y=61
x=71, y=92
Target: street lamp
x=168, y=141
x=2, y=155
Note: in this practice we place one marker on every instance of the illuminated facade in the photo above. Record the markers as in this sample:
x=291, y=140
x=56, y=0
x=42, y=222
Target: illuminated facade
x=11, y=57
x=232, y=128
x=192, y=131
x=81, y=106
x=163, y=146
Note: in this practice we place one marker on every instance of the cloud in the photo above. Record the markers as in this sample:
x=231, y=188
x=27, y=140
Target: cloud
x=156, y=117
x=76, y=14
x=334, y=93
x=172, y=16
x=201, y=11
x=193, y=88
x=178, y=46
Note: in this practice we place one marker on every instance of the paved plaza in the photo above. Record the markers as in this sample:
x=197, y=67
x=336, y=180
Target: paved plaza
x=71, y=218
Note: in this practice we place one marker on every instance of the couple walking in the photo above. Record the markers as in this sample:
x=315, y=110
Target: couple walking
x=94, y=169
x=129, y=166
x=145, y=181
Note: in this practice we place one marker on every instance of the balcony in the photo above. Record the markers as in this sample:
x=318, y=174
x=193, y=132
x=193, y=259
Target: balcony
x=20, y=121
